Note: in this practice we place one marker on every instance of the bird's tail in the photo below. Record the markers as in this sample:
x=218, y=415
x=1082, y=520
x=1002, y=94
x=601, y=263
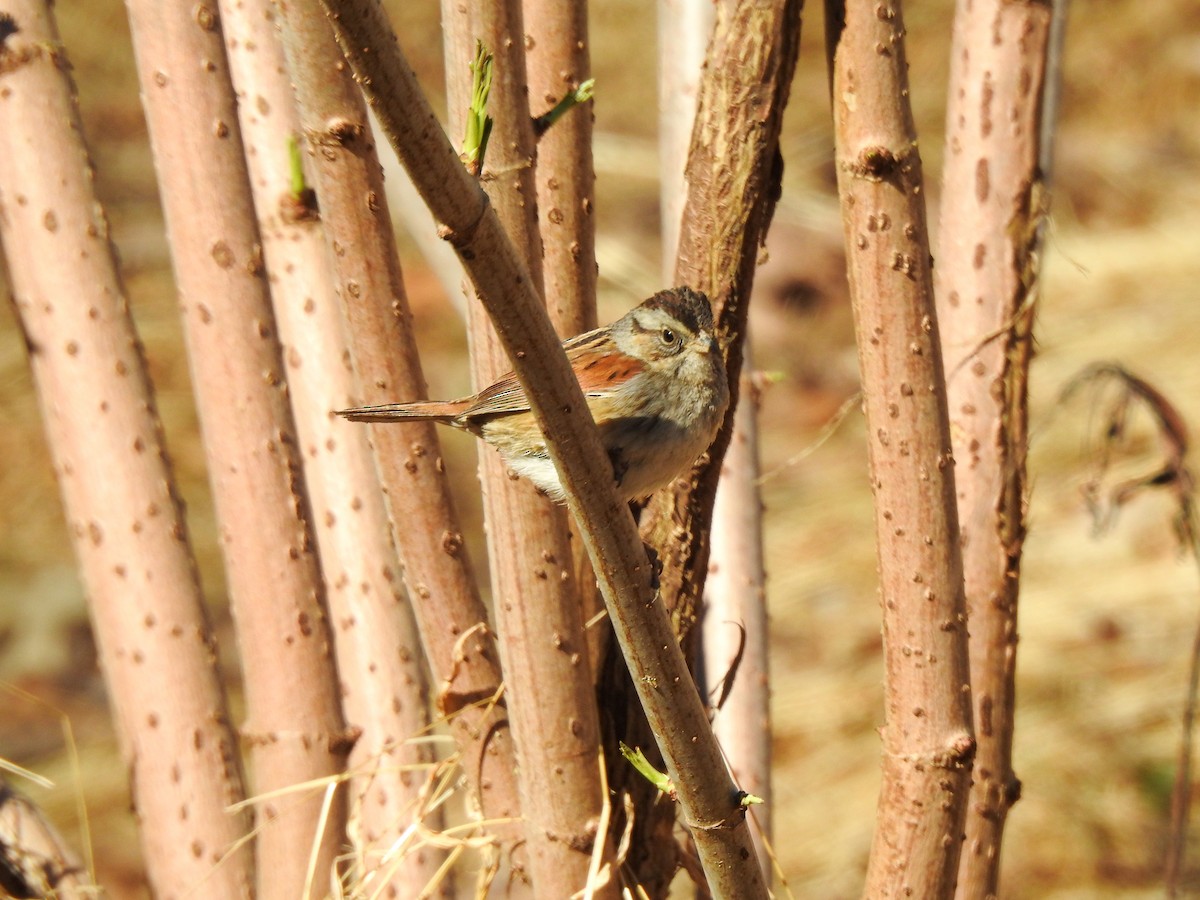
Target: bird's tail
x=433, y=410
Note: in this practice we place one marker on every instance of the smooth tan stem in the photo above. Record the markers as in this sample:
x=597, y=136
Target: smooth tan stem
x=294, y=728
x=123, y=513
x=383, y=684
x=993, y=204
x=709, y=801
x=927, y=738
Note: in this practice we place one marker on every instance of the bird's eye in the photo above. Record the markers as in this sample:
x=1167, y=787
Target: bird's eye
x=667, y=335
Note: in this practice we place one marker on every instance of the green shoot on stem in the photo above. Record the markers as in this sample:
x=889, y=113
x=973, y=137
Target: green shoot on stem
x=638, y=760
x=581, y=94
x=479, y=123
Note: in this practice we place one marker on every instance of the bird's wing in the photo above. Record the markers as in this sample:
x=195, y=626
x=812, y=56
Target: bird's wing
x=595, y=370
x=599, y=373
x=504, y=397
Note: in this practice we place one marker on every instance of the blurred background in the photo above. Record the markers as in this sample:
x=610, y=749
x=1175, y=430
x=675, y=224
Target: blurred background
x=1107, y=617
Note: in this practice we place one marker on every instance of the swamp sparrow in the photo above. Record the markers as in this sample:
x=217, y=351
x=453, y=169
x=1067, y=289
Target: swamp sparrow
x=653, y=380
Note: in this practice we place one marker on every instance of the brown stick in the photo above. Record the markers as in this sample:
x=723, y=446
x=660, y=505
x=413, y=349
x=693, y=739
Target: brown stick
x=927, y=733
x=437, y=569
x=155, y=646
x=709, y=801
x=537, y=607
x=992, y=208
x=734, y=154
x=383, y=685
x=558, y=62
x=294, y=728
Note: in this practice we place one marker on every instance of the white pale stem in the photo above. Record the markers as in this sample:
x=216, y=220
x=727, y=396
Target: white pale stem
x=736, y=611
x=684, y=27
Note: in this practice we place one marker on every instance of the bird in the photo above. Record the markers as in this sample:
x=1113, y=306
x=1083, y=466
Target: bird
x=654, y=381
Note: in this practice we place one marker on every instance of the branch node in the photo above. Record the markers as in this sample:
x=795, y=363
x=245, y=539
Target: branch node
x=733, y=820
x=461, y=239
x=879, y=163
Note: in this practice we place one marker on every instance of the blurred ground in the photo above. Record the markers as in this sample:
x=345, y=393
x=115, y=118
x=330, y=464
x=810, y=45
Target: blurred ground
x=1106, y=622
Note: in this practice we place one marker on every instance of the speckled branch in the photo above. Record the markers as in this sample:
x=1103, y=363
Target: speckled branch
x=735, y=613
x=294, y=728
x=993, y=203
x=733, y=178
x=927, y=739
x=709, y=801
x=551, y=699
x=558, y=60
x=382, y=678
x=135, y=560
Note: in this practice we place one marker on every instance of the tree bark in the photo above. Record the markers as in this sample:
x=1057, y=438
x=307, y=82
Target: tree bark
x=927, y=736
x=294, y=727
x=383, y=684
x=992, y=209
x=537, y=607
x=735, y=620
x=437, y=569
x=123, y=512
x=733, y=178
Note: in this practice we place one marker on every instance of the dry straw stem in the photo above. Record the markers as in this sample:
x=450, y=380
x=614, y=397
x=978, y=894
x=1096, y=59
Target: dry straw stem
x=992, y=209
x=125, y=520
x=927, y=733
x=547, y=675
x=34, y=859
x=382, y=680
x=710, y=803
x=294, y=726
x=1106, y=496
x=733, y=177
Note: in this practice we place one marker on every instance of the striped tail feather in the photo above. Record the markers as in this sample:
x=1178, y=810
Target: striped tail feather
x=433, y=410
